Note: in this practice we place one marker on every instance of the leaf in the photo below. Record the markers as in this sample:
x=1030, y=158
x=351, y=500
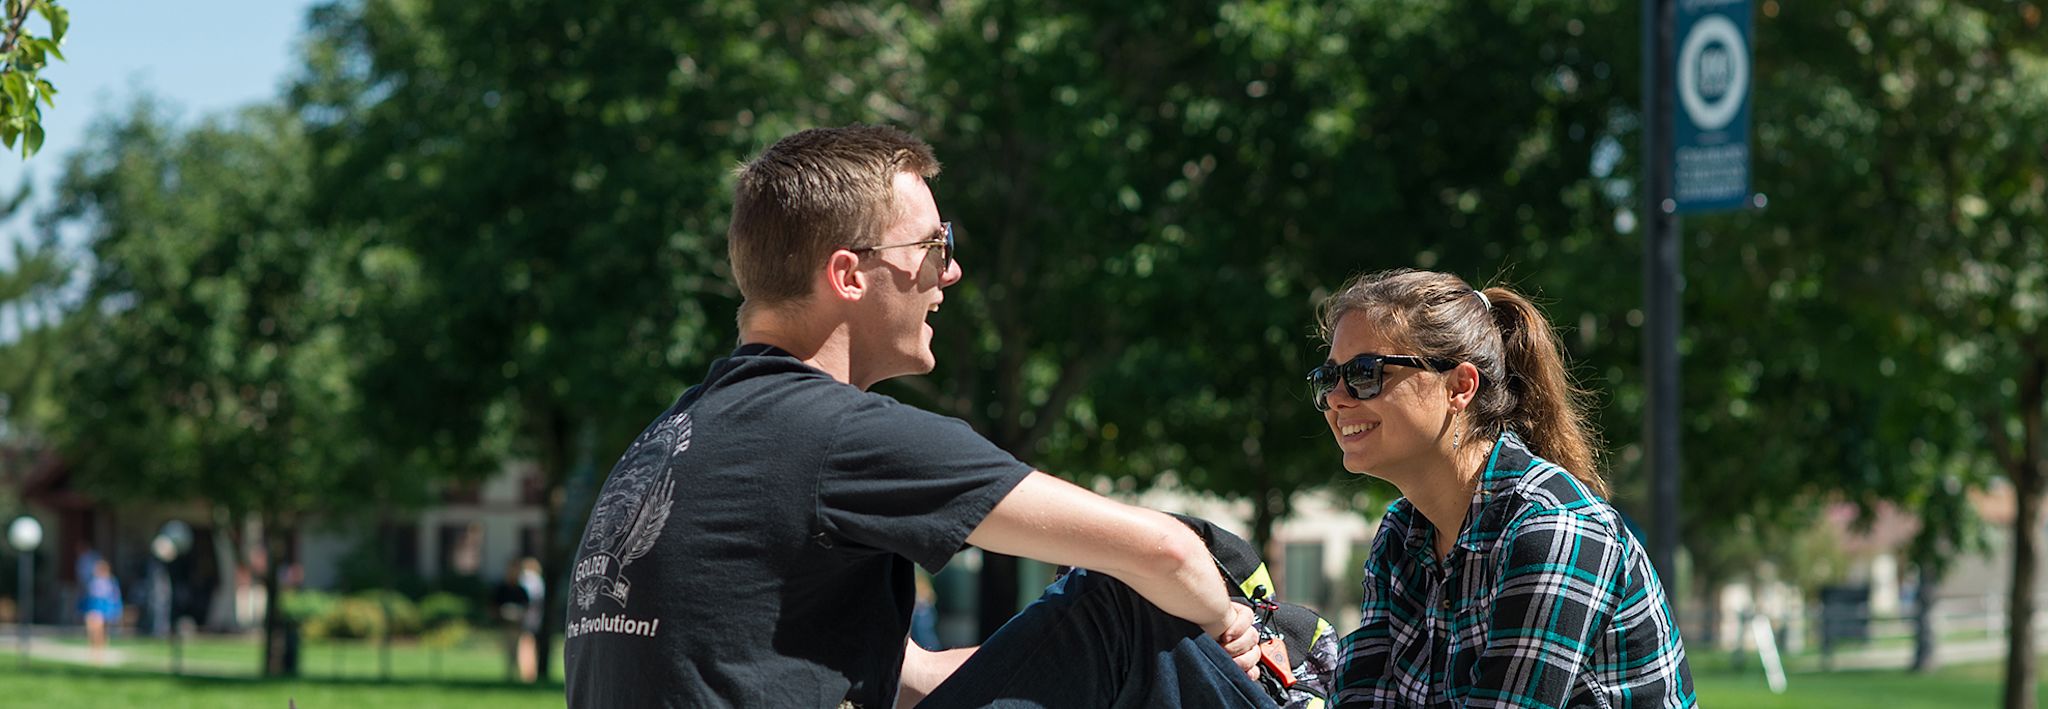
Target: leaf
x=35, y=140
x=16, y=87
x=7, y=134
x=48, y=92
x=59, y=19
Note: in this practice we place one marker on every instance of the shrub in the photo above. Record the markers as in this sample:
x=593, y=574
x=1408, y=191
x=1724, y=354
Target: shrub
x=312, y=609
x=439, y=609
x=399, y=615
x=446, y=635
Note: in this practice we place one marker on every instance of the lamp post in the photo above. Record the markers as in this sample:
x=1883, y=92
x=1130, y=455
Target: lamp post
x=25, y=534
x=171, y=541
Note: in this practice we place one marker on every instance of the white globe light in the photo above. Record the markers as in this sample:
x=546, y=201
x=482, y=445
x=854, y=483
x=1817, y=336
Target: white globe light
x=164, y=549
x=25, y=534
x=179, y=533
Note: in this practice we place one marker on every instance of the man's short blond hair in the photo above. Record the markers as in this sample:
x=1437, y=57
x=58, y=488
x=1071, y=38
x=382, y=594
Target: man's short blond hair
x=812, y=193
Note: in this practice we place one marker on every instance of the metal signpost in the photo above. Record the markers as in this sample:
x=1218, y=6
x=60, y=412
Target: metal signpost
x=1696, y=59
x=25, y=534
x=170, y=542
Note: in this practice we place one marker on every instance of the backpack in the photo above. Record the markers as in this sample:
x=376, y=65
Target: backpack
x=1300, y=655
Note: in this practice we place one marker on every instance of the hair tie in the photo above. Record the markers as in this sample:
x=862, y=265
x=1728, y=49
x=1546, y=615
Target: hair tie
x=1483, y=300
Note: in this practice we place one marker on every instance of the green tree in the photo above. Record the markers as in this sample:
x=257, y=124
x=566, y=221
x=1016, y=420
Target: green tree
x=23, y=55
x=1153, y=196
x=32, y=310
x=554, y=175
x=219, y=365
x=1901, y=260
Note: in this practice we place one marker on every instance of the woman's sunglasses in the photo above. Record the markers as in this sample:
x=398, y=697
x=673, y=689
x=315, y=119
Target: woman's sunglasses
x=1363, y=375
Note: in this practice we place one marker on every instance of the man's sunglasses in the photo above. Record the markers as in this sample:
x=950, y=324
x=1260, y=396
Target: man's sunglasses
x=1363, y=375
x=943, y=243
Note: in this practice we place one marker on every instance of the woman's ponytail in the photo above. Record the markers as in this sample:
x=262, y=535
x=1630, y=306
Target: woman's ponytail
x=1545, y=407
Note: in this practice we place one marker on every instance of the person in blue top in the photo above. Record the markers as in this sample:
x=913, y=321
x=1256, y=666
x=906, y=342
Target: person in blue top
x=102, y=606
x=1502, y=577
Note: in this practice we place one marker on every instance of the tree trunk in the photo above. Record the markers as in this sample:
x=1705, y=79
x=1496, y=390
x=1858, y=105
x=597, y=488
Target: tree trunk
x=2020, y=663
x=1265, y=514
x=996, y=598
x=2026, y=468
x=553, y=431
x=1269, y=502
x=1924, y=632
x=1709, y=591
x=279, y=653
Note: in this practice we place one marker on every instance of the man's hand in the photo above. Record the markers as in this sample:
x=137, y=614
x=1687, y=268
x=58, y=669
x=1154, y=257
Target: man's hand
x=1239, y=640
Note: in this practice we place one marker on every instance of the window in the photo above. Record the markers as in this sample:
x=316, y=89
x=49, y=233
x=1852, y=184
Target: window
x=1304, y=582
x=462, y=548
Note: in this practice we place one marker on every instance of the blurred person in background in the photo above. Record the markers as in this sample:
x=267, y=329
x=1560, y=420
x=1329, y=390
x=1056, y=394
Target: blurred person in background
x=101, y=606
x=529, y=622
x=924, y=617
x=514, y=605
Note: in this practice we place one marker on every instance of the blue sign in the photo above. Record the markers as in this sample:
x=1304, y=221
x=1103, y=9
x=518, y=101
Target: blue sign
x=1710, y=136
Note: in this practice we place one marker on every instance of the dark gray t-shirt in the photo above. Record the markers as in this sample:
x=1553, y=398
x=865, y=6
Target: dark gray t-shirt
x=754, y=546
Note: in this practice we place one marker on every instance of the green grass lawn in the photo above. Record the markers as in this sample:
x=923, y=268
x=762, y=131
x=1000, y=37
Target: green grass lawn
x=479, y=660
x=346, y=674
x=222, y=672
x=58, y=685
x=1974, y=685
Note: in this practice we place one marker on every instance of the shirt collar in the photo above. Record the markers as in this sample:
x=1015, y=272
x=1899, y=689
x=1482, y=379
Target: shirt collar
x=1505, y=465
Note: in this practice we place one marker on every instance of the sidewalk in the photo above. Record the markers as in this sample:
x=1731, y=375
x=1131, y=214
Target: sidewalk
x=66, y=644
x=1899, y=658
x=43, y=646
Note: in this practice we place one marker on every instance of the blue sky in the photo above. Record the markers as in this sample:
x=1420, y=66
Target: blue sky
x=198, y=57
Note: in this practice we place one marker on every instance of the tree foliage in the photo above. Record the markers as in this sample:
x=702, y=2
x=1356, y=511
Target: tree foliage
x=214, y=360
x=32, y=317
x=553, y=175
x=23, y=55
x=479, y=231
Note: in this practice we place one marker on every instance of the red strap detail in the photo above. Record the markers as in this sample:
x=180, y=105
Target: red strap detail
x=1273, y=657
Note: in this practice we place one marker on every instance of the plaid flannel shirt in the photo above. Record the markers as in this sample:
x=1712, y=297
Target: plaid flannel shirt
x=1546, y=600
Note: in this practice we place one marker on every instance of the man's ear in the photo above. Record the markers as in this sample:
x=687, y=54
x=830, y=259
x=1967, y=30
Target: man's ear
x=843, y=278
x=1462, y=385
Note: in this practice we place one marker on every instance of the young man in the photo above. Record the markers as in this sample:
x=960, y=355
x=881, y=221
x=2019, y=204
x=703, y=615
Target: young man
x=754, y=546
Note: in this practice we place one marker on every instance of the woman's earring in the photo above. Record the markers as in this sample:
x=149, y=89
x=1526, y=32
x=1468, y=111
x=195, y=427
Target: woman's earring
x=1457, y=439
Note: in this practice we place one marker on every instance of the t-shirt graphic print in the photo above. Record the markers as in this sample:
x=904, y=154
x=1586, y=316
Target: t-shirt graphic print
x=624, y=526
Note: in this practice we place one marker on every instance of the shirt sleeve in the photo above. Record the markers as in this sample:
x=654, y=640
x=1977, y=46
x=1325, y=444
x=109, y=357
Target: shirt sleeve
x=1362, y=675
x=910, y=482
x=1557, y=591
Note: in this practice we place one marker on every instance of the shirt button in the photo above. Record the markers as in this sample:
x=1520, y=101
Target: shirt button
x=822, y=540
x=1447, y=602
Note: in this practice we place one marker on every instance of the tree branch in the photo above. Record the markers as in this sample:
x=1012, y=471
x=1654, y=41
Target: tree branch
x=2001, y=444
x=14, y=31
x=1063, y=391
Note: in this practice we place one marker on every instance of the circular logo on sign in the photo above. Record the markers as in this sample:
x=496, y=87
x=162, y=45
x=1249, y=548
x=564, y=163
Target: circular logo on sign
x=1713, y=72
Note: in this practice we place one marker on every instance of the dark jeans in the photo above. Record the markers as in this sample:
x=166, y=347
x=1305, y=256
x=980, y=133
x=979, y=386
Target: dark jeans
x=1091, y=641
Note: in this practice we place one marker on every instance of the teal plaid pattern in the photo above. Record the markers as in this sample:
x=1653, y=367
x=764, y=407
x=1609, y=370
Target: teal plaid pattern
x=1546, y=600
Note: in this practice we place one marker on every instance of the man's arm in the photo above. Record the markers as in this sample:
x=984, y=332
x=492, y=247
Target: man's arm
x=1057, y=522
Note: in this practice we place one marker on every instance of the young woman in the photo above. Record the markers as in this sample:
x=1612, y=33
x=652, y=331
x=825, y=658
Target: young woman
x=1502, y=577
